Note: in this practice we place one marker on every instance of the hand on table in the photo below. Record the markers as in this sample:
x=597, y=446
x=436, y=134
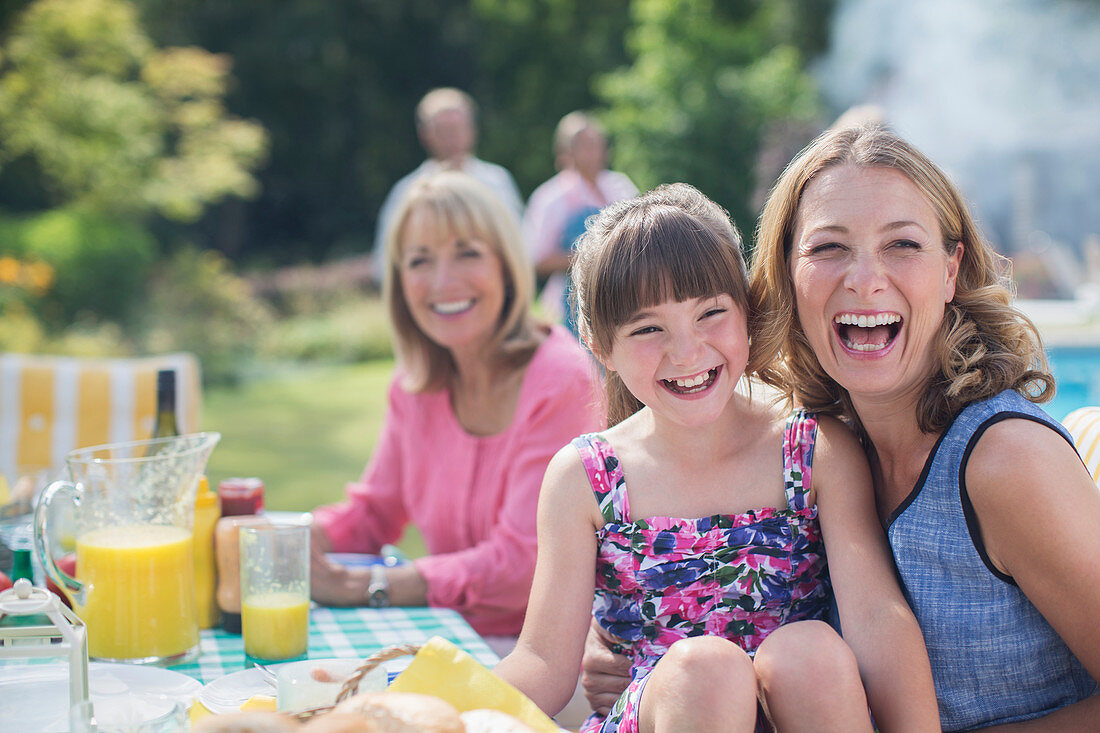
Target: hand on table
x=332, y=584
x=605, y=674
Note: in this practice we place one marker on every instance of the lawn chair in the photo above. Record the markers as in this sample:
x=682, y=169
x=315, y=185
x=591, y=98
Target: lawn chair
x=1084, y=425
x=50, y=405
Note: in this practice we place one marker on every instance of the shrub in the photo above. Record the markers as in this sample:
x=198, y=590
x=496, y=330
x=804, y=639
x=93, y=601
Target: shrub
x=198, y=304
x=100, y=264
x=354, y=329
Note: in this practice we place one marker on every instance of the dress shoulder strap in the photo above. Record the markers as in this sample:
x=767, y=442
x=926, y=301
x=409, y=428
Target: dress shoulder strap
x=606, y=476
x=799, y=436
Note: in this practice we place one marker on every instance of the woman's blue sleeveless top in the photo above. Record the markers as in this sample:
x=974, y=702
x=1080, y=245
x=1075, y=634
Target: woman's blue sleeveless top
x=994, y=658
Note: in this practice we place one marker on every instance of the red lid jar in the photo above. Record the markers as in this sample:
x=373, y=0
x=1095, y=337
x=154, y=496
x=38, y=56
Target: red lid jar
x=241, y=496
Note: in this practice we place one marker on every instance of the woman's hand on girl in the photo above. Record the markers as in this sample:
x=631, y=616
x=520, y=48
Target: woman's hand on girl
x=605, y=669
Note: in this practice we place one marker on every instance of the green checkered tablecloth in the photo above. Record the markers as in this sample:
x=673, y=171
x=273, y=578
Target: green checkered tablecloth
x=347, y=632
x=354, y=633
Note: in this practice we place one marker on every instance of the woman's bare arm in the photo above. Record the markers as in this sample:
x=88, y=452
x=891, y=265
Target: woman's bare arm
x=878, y=624
x=1038, y=511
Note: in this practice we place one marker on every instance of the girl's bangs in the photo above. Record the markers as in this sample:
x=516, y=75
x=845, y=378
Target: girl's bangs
x=675, y=259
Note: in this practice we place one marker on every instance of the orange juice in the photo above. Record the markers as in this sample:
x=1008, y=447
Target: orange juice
x=275, y=625
x=140, y=582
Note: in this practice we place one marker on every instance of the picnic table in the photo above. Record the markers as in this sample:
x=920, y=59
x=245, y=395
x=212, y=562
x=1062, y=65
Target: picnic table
x=346, y=632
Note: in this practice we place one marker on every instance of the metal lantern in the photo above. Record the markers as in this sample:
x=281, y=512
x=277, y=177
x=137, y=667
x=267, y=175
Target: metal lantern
x=35, y=623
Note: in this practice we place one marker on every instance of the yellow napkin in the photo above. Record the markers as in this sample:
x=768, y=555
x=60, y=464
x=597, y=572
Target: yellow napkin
x=199, y=711
x=259, y=702
x=442, y=669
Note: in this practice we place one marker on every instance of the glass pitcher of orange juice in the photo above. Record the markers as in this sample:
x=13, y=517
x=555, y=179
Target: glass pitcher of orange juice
x=134, y=507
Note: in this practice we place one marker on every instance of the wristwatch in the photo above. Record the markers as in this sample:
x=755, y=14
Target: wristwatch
x=378, y=592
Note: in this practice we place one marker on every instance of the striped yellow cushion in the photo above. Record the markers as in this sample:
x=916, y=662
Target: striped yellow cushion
x=1084, y=425
x=51, y=404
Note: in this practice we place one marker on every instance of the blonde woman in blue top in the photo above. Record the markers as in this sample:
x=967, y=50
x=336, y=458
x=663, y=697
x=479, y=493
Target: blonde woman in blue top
x=888, y=308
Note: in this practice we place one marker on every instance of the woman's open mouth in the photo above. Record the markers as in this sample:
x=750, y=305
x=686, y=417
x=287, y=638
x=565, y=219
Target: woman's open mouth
x=693, y=384
x=867, y=333
x=453, y=307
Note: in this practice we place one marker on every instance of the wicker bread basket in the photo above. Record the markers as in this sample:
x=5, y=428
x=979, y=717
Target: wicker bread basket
x=351, y=685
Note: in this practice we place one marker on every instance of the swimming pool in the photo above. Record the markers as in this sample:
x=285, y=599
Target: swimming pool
x=1077, y=373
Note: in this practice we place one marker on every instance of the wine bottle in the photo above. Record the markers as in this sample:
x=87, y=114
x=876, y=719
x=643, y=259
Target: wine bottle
x=166, y=425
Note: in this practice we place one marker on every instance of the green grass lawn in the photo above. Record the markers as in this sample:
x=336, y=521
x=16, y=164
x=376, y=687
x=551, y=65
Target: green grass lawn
x=306, y=432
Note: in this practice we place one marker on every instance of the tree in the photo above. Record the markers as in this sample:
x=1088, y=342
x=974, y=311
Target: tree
x=101, y=132
x=337, y=83
x=114, y=124
x=707, y=81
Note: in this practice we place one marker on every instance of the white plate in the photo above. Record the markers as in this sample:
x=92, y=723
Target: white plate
x=227, y=694
x=35, y=697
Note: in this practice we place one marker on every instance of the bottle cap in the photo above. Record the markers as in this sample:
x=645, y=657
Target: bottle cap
x=205, y=497
x=166, y=379
x=231, y=622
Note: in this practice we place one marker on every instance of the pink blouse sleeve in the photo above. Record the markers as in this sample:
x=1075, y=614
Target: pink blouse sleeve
x=496, y=574
x=373, y=512
x=541, y=228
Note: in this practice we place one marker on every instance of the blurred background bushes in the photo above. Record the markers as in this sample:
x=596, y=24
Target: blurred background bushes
x=204, y=175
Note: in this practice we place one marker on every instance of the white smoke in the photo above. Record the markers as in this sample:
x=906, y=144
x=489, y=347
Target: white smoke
x=1003, y=94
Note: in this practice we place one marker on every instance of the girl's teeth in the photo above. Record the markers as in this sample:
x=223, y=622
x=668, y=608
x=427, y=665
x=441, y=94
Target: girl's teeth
x=692, y=381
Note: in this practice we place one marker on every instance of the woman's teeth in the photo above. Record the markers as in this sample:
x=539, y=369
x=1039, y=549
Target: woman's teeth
x=864, y=321
x=867, y=332
x=455, y=306
x=692, y=384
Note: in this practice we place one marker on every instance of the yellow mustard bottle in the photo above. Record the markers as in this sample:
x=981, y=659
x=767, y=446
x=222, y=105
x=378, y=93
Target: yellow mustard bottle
x=206, y=517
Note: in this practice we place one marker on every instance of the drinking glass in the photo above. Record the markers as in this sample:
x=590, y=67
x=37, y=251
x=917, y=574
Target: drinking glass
x=275, y=591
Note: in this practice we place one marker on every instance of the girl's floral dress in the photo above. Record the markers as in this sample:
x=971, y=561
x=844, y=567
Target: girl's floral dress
x=739, y=576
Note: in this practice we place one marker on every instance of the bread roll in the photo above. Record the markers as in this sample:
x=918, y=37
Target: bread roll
x=485, y=720
x=246, y=723
x=404, y=712
x=340, y=723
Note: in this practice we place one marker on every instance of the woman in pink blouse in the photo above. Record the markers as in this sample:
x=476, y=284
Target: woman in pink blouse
x=483, y=396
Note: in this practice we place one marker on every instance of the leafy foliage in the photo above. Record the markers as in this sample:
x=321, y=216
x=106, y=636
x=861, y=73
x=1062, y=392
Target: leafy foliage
x=115, y=124
x=337, y=83
x=707, y=81
x=198, y=304
x=689, y=87
x=101, y=264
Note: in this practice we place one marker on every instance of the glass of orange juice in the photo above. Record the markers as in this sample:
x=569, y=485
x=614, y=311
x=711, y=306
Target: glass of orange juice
x=275, y=591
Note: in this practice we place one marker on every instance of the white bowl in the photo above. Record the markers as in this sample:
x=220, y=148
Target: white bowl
x=300, y=688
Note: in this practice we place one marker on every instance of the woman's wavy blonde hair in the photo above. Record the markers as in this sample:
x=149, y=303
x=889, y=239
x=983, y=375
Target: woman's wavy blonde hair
x=670, y=243
x=985, y=345
x=471, y=211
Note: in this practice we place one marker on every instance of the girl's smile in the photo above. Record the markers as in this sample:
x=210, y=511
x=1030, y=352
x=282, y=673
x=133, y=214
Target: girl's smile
x=693, y=385
x=674, y=353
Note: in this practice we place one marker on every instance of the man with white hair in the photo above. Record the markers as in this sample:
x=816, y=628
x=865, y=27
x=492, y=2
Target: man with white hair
x=446, y=126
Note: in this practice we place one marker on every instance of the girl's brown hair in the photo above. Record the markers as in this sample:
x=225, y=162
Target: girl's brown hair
x=984, y=344
x=672, y=243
